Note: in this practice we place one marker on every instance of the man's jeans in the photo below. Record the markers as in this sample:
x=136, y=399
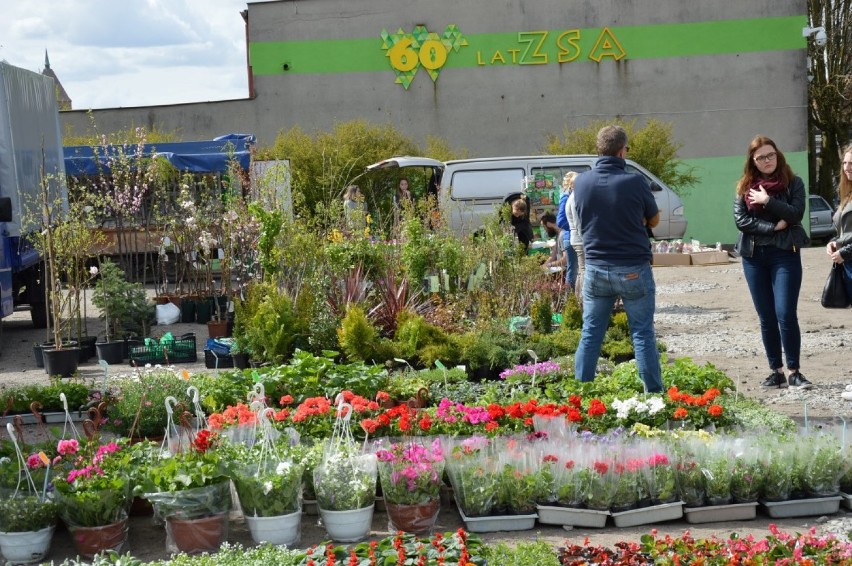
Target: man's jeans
x=774, y=277
x=601, y=287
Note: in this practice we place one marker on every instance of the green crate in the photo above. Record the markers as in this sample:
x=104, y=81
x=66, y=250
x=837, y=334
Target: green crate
x=182, y=350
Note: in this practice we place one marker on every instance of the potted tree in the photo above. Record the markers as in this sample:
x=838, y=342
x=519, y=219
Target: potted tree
x=54, y=241
x=110, y=297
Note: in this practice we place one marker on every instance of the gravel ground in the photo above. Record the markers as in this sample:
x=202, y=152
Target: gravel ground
x=703, y=312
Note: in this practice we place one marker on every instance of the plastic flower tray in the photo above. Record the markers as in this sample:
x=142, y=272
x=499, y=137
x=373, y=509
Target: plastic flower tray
x=802, y=507
x=718, y=513
x=648, y=515
x=846, y=500
x=182, y=350
x=552, y=515
x=495, y=523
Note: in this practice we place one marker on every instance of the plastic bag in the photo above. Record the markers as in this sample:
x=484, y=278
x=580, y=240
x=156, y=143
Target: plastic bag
x=168, y=313
x=222, y=346
x=196, y=519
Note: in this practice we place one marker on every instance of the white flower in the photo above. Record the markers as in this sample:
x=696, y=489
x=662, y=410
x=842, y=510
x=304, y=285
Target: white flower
x=93, y=270
x=267, y=487
x=655, y=405
x=283, y=468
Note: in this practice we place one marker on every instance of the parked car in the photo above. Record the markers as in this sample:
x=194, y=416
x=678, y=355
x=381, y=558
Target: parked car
x=821, y=212
x=469, y=190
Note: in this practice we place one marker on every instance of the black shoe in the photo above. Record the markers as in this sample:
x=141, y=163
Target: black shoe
x=800, y=381
x=775, y=380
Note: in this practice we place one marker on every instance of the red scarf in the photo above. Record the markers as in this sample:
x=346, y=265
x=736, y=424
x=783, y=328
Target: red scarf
x=774, y=186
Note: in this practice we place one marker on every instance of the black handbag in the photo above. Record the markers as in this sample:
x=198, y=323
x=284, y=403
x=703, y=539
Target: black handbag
x=834, y=293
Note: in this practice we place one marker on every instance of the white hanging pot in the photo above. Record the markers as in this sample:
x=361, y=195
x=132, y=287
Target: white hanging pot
x=28, y=547
x=281, y=529
x=348, y=526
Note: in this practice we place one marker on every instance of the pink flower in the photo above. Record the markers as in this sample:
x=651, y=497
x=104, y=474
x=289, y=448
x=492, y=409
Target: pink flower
x=33, y=461
x=66, y=447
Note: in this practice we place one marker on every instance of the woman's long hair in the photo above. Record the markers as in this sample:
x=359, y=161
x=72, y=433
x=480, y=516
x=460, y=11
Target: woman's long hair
x=844, y=189
x=750, y=171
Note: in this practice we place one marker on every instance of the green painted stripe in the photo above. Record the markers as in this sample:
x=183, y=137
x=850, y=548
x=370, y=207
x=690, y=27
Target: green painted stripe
x=639, y=42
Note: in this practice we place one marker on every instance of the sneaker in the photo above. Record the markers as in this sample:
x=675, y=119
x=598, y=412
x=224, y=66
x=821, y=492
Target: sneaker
x=775, y=379
x=798, y=380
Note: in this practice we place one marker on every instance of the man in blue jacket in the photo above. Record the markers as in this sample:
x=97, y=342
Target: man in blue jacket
x=614, y=208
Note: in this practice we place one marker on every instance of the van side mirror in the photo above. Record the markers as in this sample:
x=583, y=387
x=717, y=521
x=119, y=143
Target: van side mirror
x=5, y=209
x=655, y=186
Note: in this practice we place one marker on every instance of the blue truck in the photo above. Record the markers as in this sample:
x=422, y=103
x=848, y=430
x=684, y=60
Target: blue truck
x=31, y=159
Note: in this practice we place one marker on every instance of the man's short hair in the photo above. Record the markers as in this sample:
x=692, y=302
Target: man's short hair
x=611, y=139
x=548, y=218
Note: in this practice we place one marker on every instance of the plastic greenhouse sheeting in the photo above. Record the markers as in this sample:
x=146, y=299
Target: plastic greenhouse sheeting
x=210, y=156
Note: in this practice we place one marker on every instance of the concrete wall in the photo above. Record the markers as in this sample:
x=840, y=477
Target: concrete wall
x=720, y=71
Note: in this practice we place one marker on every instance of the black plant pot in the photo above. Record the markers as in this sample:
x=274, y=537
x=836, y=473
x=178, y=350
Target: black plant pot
x=111, y=352
x=63, y=363
x=241, y=361
x=202, y=311
x=187, y=309
x=39, y=355
x=87, y=348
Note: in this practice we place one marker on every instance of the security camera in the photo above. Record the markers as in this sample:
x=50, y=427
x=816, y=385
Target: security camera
x=820, y=37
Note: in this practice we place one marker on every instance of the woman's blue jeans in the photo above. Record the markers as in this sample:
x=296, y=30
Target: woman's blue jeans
x=602, y=285
x=774, y=278
x=573, y=267
x=847, y=277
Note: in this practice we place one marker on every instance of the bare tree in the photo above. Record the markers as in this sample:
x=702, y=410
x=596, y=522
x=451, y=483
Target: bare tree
x=830, y=89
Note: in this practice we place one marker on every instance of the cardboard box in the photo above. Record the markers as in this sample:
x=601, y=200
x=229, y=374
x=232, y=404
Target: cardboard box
x=709, y=258
x=671, y=259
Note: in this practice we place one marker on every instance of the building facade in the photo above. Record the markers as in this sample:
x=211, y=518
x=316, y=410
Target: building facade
x=498, y=77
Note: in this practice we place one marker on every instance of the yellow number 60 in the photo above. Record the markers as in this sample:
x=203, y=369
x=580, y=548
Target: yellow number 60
x=403, y=58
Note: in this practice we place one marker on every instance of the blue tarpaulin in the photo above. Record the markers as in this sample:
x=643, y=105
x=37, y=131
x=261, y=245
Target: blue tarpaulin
x=211, y=156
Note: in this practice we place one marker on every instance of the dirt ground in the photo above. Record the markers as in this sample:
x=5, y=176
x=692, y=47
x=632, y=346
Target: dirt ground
x=704, y=312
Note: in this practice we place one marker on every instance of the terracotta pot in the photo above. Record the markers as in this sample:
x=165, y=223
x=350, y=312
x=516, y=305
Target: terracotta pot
x=92, y=540
x=217, y=328
x=198, y=535
x=416, y=519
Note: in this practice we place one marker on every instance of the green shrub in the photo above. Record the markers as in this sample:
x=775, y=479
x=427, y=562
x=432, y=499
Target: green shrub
x=271, y=332
x=542, y=315
x=651, y=146
x=417, y=339
x=572, y=313
x=356, y=335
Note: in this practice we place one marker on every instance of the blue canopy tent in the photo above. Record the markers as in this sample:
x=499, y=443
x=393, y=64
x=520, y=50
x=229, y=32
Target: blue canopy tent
x=210, y=156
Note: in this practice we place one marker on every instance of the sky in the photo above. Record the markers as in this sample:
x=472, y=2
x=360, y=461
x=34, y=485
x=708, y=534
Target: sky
x=120, y=53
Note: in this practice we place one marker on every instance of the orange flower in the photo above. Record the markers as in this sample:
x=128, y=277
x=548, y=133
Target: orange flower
x=596, y=408
x=680, y=413
x=715, y=410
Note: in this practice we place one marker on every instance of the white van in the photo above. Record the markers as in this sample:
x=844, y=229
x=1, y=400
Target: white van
x=469, y=190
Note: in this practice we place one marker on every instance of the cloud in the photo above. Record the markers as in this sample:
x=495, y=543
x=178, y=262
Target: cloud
x=111, y=53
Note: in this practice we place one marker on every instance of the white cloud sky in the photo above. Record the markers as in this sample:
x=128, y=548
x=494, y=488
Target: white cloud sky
x=112, y=53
